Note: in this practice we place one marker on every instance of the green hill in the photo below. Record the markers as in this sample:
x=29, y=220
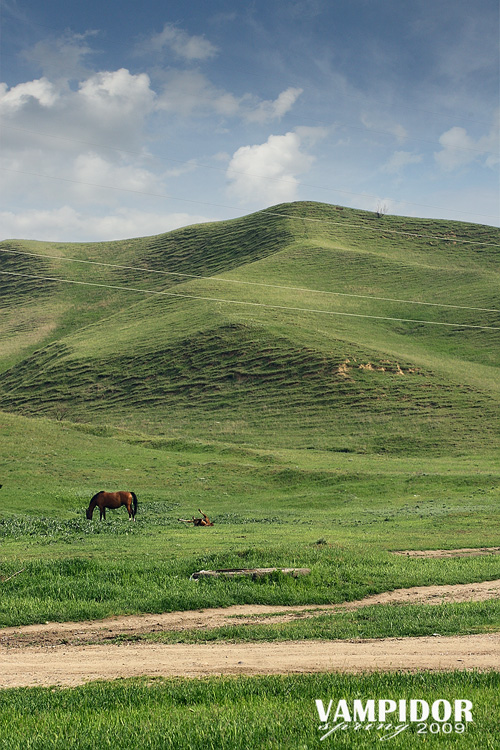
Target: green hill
x=300, y=338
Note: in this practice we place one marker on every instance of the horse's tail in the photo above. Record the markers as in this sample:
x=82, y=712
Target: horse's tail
x=134, y=498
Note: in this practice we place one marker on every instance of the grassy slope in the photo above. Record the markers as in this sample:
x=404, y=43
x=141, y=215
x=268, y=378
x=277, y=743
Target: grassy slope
x=289, y=428
x=220, y=375
x=266, y=376
x=35, y=313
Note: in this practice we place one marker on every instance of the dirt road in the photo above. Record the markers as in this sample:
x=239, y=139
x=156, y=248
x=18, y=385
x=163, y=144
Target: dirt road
x=49, y=654
x=62, y=665
x=97, y=631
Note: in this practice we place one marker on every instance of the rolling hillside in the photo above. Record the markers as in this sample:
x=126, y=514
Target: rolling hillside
x=300, y=337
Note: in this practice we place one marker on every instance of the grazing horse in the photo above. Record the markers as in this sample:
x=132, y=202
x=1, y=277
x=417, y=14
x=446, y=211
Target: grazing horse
x=205, y=521
x=105, y=500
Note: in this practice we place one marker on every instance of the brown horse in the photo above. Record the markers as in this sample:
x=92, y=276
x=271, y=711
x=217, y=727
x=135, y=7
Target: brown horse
x=105, y=500
x=205, y=521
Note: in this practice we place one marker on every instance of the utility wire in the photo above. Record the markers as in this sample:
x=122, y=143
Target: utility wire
x=251, y=304
x=234, y=208
x=248, y=283
x=382, y=229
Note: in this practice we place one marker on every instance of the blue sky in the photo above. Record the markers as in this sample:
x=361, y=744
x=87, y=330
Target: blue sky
x=123, y=119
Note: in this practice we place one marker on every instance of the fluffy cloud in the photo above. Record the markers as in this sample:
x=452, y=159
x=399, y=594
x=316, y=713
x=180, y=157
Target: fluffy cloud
x=460, y=149
x=190, y=92
x=40, y=93
x=274, y=110
x=85, y=135
x=267, y=172
x=116, y=102
x=76, y=141
x=109, y=107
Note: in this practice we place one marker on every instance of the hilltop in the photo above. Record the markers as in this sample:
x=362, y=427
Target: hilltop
x=299, y=338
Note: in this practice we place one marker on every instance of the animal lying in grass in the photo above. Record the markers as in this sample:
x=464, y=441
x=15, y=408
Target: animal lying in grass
x=205, y=521
x=105, y=500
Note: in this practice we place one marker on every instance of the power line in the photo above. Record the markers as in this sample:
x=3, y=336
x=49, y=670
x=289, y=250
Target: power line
x=252, y=174
x=248, y=283
x=384, y=229
x=251, y=304
x=234, y=208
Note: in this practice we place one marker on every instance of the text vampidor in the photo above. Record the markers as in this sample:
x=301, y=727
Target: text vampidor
x=394, y=717
x=381, y=711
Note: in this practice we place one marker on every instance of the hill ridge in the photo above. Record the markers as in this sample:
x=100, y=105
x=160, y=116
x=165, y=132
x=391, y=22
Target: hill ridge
x=153, y=360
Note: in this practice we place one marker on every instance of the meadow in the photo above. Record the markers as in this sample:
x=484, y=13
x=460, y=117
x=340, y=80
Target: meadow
x=229, y=714
x=317, y=429
x=341, y=517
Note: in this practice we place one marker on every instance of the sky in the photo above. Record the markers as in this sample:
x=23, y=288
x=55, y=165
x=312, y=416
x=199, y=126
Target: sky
x=125, y=119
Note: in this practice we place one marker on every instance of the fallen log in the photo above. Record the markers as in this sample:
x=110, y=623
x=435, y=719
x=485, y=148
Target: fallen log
x=249, y=572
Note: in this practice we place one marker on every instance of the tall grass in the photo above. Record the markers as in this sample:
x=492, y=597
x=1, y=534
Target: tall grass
x=78, y=588
x=232, y=714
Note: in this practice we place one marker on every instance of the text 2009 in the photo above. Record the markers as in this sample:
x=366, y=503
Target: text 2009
x=445, y=728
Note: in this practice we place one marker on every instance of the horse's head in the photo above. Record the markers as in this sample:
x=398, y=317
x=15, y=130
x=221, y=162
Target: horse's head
x=89, y=513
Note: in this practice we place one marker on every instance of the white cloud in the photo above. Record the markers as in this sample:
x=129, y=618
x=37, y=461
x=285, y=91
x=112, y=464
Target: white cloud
x=108, y=108
x=180, y=43
x=189, y=92
x=460, y=149
x=274, y=110
x=267, y=172
x=116, y=95
x=66, y=223
x=399, y=160
x=39, y=92
x=53, y=130
x=90, y=170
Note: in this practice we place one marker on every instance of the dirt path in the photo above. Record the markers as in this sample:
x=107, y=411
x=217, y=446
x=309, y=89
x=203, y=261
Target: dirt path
x=79, y=664
x=49, y=654
x=97, y=631
x=463, y=552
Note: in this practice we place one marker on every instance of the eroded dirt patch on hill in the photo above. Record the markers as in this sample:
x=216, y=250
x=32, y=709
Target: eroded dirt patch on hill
x=129, y=626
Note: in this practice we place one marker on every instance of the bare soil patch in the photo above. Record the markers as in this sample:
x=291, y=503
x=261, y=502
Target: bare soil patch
x=74, y=666
x=463, y=552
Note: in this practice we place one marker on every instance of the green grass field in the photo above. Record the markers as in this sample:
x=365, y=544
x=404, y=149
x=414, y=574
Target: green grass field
x=232, y=714
x=288, y=397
